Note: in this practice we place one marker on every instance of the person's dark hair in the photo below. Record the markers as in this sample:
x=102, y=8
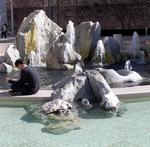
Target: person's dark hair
x=18, y=61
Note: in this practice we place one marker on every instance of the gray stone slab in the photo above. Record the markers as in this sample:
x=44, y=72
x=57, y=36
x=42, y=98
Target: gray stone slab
x=41, y=96
x=127, y=94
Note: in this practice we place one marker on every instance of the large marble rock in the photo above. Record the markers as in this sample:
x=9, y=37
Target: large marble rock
x=112, y=76
x=65, y=93
x=87, y=35
x=102, y=90
x=11, y=55
x=68, y=90
x=62, y=56
x=6, y=68
x=56, y=106
x=38, y=33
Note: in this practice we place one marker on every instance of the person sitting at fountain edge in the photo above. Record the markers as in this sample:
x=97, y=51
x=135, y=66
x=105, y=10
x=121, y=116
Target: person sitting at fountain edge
x=28, y=83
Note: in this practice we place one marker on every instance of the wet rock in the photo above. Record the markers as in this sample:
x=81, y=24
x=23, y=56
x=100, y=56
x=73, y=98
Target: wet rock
x=6, y=68
x=64, y=94
x=38, y=33
x=62, y=56
x=68, y=89
x=102, y=91
x=120, y=76
x=11, y=55
x=87, y=35
x=56, y=106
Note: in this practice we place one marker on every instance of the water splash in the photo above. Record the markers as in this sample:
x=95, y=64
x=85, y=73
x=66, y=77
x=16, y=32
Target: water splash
x=70, y=34
x=141, y=57
x=128, y=65
x=78, y=68
x=100, y=52
x=35, y=59
x=135, y=45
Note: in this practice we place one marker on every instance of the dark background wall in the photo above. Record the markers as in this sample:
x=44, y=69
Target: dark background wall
x=113, y=16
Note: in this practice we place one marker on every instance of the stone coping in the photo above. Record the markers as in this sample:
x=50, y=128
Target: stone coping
x=127, y=94
x=133, y=94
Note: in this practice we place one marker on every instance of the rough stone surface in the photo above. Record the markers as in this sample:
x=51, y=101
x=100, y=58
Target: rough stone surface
x=87, y=35
x=55, y=106
x=38, y=33
x=62, y=55
x=112, y=76
x=11, y=55
x=69, y=89
x=6, y=68
x=65, y=92
x=102, y=90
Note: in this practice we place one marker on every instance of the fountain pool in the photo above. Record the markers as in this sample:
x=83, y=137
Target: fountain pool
x=97, y=130
x=49, y=77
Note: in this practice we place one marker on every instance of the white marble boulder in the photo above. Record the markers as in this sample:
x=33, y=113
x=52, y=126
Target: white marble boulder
x=57, y=106
x=66, y=92
x=62, y=56
x=11, y=55
x=38, y=33
x=87, y=35
x=108, y=100
x=6, y=68
x=121, y=76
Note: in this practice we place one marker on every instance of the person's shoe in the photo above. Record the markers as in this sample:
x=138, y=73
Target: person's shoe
x=10, y=91
x=14, y=93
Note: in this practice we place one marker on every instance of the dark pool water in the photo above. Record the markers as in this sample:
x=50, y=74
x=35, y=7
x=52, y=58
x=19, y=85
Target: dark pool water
x=49, y=77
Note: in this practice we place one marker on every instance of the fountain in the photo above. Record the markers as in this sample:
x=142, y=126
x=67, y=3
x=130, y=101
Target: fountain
x=99, y=52
x=135, y=45
x=128, y=65
x=141, y=57
x=68, y=50
x=70, y=34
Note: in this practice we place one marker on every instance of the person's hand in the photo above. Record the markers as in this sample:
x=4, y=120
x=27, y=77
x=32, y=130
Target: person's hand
x=7, y=79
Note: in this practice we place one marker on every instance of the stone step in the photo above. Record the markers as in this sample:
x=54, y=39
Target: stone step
x=127, y=94
x=7, y=99
x=133, y=94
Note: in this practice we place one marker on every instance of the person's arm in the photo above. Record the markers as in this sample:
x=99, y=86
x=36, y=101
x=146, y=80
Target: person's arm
x=12, y=80
x=22, y=80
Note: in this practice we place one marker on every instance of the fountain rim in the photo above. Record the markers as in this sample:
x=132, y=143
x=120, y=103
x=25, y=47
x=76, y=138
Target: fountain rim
x=125, y=94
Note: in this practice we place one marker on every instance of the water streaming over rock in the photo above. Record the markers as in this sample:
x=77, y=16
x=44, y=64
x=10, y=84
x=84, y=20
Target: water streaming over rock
x=128, y=65
x=135, y=45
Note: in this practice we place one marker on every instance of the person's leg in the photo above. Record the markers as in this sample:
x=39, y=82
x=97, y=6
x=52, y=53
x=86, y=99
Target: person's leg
x=24, y=90
x=2, y=34
x=5, y=34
